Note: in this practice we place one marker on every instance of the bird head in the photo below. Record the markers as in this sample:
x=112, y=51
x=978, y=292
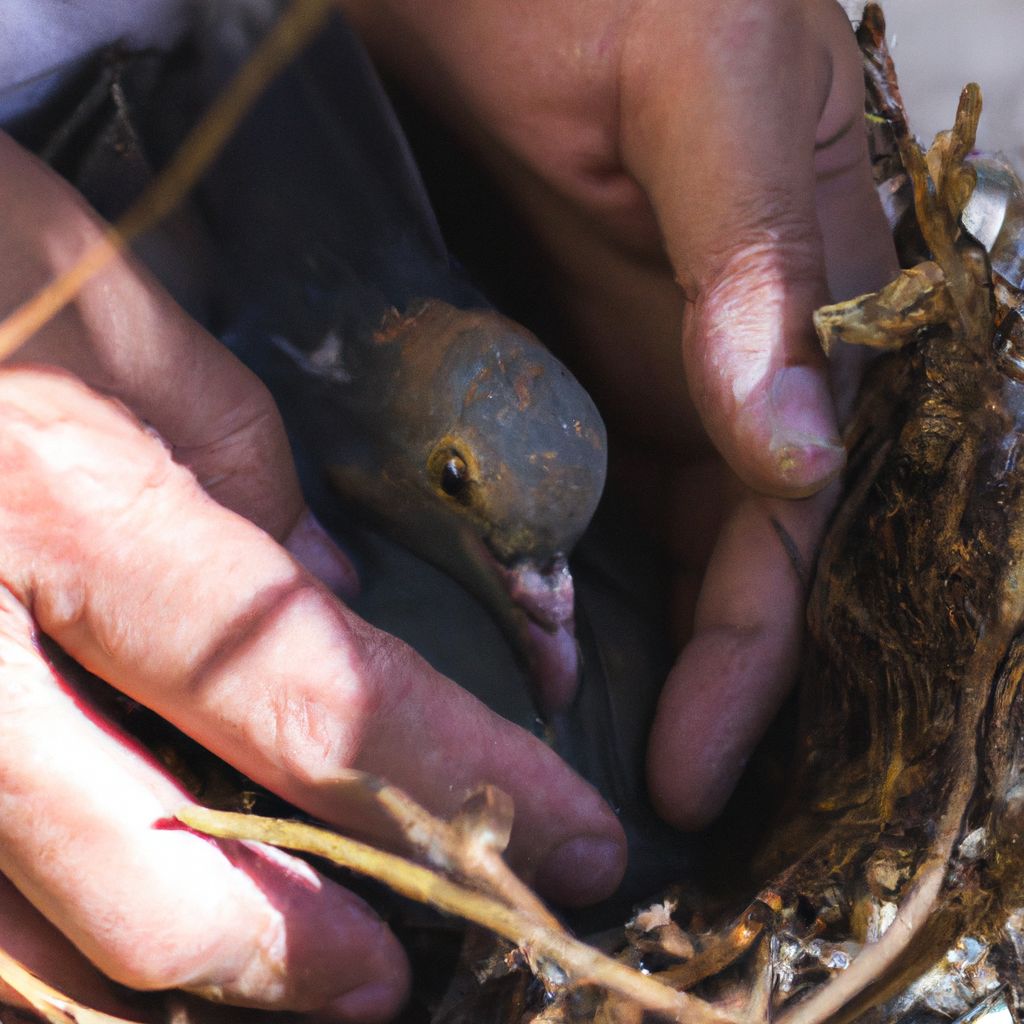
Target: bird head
x=494, y=465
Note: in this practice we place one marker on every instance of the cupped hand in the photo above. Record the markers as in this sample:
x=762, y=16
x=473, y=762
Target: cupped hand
x=696, y=174
x=112, y=544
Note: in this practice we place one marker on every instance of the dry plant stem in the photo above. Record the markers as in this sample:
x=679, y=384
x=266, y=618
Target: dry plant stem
x=719, y=952
x=932, y=293
x=955, y=178
x=937, y=211
x=582, y=963
x=296, y=27
x=879, y=71
x=876, y=959
x=888, y=319
x=471, y=853
x=759, y=1006
x=874, y=966
x=50, y=1004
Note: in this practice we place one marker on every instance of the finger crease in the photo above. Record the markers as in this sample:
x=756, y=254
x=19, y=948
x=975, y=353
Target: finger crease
x=837, y=136
x=792, y=552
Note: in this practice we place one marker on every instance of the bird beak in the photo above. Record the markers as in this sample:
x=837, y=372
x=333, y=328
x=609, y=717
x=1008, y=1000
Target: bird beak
x=545, y=596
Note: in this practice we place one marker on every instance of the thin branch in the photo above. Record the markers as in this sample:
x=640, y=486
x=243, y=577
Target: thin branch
x=294, y=29
x=45, y=1000
x=469, y=847
x=721, y=950
x=582, y=963
x=892, y=317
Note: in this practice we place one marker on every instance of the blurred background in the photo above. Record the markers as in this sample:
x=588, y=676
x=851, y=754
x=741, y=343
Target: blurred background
x=940, y=45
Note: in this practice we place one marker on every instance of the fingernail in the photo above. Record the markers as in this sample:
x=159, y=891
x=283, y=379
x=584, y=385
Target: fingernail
x=805, y=439
x=582, y=870
x=372, y=1002
x=310, y=543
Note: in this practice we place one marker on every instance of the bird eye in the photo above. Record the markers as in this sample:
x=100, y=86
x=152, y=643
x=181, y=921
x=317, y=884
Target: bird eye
x=455, y=477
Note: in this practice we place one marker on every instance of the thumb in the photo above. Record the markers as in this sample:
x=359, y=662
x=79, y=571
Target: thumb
x=772, y=97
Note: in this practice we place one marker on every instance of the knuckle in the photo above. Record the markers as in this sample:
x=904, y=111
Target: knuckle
x=248, y=422
x=771, y=221
x=320, y=719
x=57, y=428
x=326, y=726
x=243, y=459
x=392, y=665
x=75, y=494
x=776, y=251
x=311, y=744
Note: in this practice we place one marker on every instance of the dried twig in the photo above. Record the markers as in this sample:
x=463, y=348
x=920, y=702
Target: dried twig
x=581, y=963
x=721, y=950
x=953, y=290
x=51, y=1005
x=879, y=71
x=940, y=292
x=294, y=29
x=469, y=848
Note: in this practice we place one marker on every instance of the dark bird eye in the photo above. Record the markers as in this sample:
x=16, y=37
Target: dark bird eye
x=454, y=477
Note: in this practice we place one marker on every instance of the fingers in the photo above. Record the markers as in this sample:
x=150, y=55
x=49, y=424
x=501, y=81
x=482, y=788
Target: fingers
x=251, y=657
x=126, y=337
x=731, y=170
x=731, y=677
x=36, y=944
x=762, y=188
x=83, y=835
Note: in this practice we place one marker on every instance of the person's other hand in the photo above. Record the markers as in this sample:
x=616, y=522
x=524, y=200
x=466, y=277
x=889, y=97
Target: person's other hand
x=125, y=337
x=693, y=170
x=109, y=545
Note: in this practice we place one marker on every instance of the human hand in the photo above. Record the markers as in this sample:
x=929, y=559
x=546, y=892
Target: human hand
x=113, y=549
x=694, y=169
x=125, y=337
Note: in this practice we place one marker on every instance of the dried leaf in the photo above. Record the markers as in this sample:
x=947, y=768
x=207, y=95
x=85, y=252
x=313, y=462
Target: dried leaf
x=888, y=319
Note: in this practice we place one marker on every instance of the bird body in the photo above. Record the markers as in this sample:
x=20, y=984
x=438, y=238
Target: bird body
x=436, y=418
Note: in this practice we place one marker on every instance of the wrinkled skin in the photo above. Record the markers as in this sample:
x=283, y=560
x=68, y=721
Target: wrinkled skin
x=893, y=875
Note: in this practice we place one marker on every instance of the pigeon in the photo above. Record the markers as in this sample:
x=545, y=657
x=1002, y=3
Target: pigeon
x=412, y=406
x=426, y=412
